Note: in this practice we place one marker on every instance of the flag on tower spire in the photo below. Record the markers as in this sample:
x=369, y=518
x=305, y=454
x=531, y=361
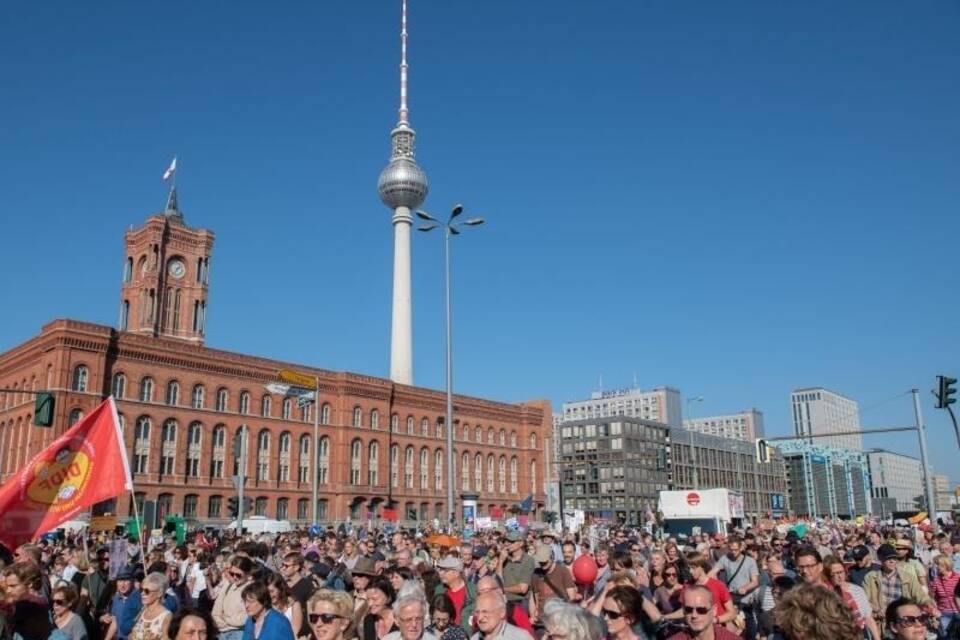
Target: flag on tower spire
x=171, y=170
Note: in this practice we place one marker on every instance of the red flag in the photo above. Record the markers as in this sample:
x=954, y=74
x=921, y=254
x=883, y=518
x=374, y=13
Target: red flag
x=86, y=465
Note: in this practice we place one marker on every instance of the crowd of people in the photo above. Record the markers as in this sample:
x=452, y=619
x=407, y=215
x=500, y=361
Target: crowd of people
x=833, y=581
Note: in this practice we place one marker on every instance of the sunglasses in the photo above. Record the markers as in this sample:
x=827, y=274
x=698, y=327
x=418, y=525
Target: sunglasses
x=913, y=620
x=325, y=618
x=612, y=615
x=700, y=610
x=59, y=602
x=668, y=574
x=147, y=592
x=236, y=574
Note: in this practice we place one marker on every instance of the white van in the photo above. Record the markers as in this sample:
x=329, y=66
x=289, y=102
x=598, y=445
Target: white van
x=262, y=524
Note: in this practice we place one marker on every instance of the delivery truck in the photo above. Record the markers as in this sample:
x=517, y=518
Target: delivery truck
x=695, y=511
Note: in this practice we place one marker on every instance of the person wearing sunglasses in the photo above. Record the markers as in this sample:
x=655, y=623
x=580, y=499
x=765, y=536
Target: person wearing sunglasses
x=622, y=609
x=700, y=616
x=667, y=596
x=330, y=615
x=154, y=618
x=907, y=620
x=96, y=585
x=63, y=601
x=229, y=613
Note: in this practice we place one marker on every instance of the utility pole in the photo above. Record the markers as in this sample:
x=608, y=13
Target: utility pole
x=927, y=480
x=241, y=477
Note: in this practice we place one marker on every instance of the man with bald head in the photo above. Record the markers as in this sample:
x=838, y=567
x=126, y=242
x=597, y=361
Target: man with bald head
x=490, y=616
x=517, y=616
x=700, y=616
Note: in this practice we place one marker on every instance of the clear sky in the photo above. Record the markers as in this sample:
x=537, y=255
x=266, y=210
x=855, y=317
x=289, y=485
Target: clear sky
x=733, y=198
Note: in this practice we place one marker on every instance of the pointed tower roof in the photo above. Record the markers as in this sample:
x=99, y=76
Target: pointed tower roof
x=172, y=210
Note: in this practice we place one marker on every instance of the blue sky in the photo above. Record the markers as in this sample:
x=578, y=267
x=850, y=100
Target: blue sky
x=736, y=199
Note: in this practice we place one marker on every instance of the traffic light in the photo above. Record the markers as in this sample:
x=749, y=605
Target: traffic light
x=946, y=387
x=43, y=409
x=232, y=507
x=763, y=451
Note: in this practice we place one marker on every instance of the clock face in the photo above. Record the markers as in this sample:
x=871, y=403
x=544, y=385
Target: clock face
x=176, y=268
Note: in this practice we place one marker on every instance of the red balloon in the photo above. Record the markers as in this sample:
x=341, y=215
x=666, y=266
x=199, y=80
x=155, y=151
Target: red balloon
x=584, y=570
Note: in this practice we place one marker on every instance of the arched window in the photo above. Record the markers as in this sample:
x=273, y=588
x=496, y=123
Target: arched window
x=490, y=436
x=323, y=461
x=440, y=432
x=490, y=464
x=263, y=454
x=503, y=437
x=373, y=463
x=424, y=468
x=502, y=474
x=128, y=269
x=283, y=505
x=141, y=445
x=374, y=419
x=356, y=451
x=214, y=506
x=438, y=469
x=74, y=418
x=479, y=435
x=408, y=468
x=283, y=469
x=198, y=396
x=395, y=423
x=533, y=476
x=265, y=406
x=425, y=427
x=146, y=389
x=306, y=412
x=409, y=425
x=219, y=451
x=465, y=471
x=244, y=402
x=302, y=506
x=124, y=315
x=119, y=387
x=169, y=447
x=513, y=439
x=513, y=475
x=260, y=506
x=194, y=441
x=80, y=374
x=533, y=440
x=394, y=466
x=287, y=407
x=466, y=433
x=478, y=473
x=357, y=417
x=303, y=471
x=173, y=393
x=222, y=397
x=236, y=450
x=325, y=413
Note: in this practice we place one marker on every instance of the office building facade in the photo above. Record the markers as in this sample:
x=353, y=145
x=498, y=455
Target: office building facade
x=826, y=481
x=746, y=425
x=821, y=412
x=657, y=405
x=896, y=482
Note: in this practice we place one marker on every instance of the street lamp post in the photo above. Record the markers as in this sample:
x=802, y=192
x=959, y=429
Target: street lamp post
x=450, y=229
x=693, y=444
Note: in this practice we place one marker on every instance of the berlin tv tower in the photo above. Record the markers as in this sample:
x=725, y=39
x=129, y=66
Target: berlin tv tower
x=402, y=187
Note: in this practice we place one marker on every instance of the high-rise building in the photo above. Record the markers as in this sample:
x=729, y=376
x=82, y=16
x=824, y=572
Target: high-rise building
x=657, y=405
x=820, y=412
x=746, y=425
x=945, y=496
x=825, y=481
x=703, y=461
x=403, y=188
x=896, y=482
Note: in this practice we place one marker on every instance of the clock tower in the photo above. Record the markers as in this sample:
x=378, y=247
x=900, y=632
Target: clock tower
x=165, y=277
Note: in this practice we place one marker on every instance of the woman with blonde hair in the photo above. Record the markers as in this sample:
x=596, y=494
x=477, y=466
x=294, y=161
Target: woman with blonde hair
x=330, y=615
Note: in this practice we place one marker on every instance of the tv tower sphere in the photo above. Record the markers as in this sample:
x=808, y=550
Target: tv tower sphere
x=403, y=183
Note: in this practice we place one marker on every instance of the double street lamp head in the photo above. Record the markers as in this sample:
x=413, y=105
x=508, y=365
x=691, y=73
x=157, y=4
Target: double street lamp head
x=433, y=223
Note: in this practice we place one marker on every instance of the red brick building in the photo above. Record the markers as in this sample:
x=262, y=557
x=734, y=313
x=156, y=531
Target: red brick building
x=182, y=405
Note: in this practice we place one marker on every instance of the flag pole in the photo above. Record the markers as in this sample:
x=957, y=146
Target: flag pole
x=129, y=478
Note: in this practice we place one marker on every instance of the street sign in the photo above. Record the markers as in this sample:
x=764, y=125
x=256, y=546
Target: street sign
x=291, y=391
x=298, y=379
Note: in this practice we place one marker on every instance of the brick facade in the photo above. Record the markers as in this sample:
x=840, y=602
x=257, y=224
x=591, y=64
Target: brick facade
x=180, y=433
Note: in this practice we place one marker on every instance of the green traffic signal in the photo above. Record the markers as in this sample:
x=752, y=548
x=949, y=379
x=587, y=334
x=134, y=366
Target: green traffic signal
x=946, y=388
